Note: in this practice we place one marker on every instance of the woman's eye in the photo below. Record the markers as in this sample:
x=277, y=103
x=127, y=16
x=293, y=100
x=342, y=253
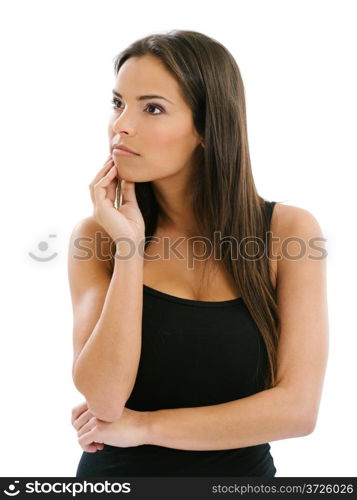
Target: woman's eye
x=157, y=107
x=117, y=102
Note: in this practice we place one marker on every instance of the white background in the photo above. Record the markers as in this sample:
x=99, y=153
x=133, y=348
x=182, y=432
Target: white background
x=298, y=64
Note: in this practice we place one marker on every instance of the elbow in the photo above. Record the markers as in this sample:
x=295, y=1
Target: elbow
x=300, y=414
x=305, y=424
x=310, y=424
x=100, y=409
x=104, y=410
x=105, y=414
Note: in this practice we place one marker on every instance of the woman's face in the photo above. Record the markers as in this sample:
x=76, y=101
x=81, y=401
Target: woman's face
x=160, y=131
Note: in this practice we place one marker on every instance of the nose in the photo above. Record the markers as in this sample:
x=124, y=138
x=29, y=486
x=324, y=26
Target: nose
x=123, y=124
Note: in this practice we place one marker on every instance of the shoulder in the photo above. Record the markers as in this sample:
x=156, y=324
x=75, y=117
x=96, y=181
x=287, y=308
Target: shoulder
x=88, y=237
x=298, y=238
x=89, y=225
x=296, y=235
x=289, y=221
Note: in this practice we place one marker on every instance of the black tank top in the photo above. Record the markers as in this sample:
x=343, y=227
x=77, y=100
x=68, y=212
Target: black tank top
x=194, y=353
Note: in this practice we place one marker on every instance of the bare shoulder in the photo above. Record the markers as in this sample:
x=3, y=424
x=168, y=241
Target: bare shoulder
x=286, y=218
x=293, y=226
x=90, y=239
x=299, y=243
x=89, y=225
x=296, y=237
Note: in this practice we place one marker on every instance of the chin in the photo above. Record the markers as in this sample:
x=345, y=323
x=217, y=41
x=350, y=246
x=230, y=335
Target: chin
x=129, y=174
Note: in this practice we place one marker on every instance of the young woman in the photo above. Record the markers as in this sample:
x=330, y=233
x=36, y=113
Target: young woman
x=200, y=327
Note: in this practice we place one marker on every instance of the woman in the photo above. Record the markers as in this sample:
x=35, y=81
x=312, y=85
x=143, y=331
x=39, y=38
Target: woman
x=191, y=358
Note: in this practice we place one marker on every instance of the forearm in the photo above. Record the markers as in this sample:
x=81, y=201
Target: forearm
x=266, y=416
x=106, y=369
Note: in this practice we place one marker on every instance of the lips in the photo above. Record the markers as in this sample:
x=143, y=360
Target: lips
x=124, y=148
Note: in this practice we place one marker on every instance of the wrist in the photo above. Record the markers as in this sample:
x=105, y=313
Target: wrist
x=147, y=426
x=128, y=251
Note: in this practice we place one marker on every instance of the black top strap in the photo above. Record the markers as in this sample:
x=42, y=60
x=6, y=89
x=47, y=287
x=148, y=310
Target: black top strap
x=270, y=208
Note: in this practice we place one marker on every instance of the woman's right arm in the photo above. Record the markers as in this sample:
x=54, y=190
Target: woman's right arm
x=107, y=313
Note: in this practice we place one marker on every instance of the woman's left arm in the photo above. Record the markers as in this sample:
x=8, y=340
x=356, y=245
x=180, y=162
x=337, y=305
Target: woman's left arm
x=290, y=408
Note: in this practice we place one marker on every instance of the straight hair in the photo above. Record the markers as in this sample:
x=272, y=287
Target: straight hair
x=225, y=198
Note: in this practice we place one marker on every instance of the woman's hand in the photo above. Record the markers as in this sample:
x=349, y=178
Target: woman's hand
x=125, y=221
x=80, y=417
x=129, y=430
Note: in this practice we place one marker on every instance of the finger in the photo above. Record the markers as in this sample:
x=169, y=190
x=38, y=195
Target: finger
x=128, y=192
x=111, y=190
x=82, y=420
x=77, y=410
x=86, y=427
x=107, y=165
x=91, y=448
x=88, y=438
x=100, y=189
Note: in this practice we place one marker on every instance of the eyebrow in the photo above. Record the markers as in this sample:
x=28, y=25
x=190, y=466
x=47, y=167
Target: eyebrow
x=144, y=97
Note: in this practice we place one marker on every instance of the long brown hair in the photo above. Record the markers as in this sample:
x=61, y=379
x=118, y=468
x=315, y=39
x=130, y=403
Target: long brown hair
x=225, y=198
